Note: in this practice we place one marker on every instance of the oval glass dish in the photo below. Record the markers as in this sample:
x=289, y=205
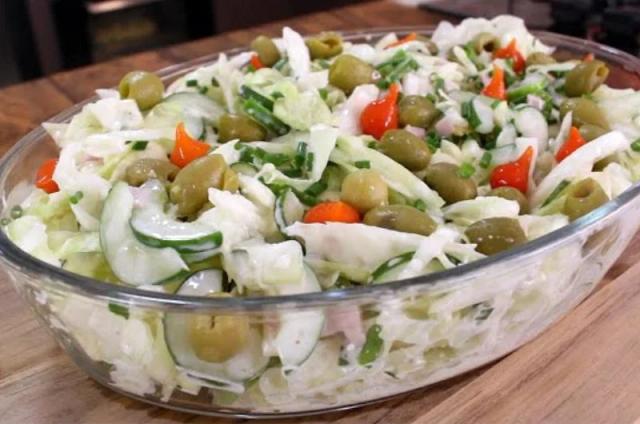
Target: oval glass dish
x=444, y=323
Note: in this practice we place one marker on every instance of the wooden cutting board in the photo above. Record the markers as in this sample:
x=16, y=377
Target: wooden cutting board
x=585, y=369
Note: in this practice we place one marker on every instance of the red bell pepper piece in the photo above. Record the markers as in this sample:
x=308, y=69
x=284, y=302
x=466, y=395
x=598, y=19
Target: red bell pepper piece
x=511, y=52
x=44, y=176
x=513, y=174
x=187, y=148
x=382, y=114
x=573, y=142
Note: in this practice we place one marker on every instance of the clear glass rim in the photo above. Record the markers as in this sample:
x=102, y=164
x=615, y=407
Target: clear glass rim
x=132, y=295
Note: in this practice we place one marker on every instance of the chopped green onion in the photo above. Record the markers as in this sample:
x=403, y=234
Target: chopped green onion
x=316, y=188
x=5, y=221
x=277, y=95
x=438, y=84
x=309, y=161
x=518, y=94
x=203, y=90
x=635, y=146
x=139, y=145
x=323, y=63
x=16, y=212
x=433, y=141
x=305, y=198
x=372, y=346
x=469, y=113
x=397, y=57
x=264, y=117
x=250, y=69
x=485, y=160
x=556, y=192
x=301, y=154
x=495, y=104
x=192, y=83
x=362, y=164
x=420, y=205
x=123, y=311
x=75, y=199
x=249, y=93
x=275, y=158
x=372, y=144
x=324, y=93
x=432, y=98
x=466, y=170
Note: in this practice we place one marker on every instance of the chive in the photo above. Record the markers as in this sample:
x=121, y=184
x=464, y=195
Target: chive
x=293, y=173
x=556, y=192
x=5, y=221
x=397, y=57
x=403, y=68
x=485, y=160
x=276, y=188
x=306, y=198
x=469, y=113
x=192, y=83
x=466, y=170
x=123, y=311
x=635, y=146
x=372, y=346
x=277, y=159
x=420, y=205
x=433, y=141
x=316, y=188
x=324, y=93
x=75, y=199
x=362, y=164
x=139, y=145
x=249, y=93
x=518, y=94
x=301, y=154
x=309, y=161
x=264, y=117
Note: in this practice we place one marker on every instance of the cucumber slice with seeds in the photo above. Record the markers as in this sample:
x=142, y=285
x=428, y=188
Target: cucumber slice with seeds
x=130, y=260
x=154, y=227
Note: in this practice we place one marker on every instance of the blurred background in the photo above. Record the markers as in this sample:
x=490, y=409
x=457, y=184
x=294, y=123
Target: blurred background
x=39, y=37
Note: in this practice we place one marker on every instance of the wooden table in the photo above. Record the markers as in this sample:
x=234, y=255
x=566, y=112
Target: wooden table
x=585, y=369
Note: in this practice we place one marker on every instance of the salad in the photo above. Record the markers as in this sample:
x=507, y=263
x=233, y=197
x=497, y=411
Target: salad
x=313, y=165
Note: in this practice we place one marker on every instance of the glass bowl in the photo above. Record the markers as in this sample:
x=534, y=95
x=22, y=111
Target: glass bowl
x=432, y=327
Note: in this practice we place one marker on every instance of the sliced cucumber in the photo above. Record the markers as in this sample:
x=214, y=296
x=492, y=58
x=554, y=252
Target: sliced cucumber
x=298, y=332
x=245, y=168
x=131, y=261
x=200, y=256
x=229, y=375
x=154, y=227
x=288, y=210
x=389, y=269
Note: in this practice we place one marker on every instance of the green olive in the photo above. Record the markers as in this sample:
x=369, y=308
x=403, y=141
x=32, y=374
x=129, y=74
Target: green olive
x=432, y=47
x=444, y=178
x=347, y=72
x=539, y=58
x=190, y=189
x=217, y=338
x=584, y=111
x=364, y=189
x=230, y=181
x=583, y=197
x=494, y=235
x=266, y=49
x=324, y=46
x=143, y=87
x=417, y=111
x=485, y=42
x=585, y=78
x=591, y=132
x=239, y=127
x=405, y=148
x=514, y=194
x=146, y=169
x=406, y=219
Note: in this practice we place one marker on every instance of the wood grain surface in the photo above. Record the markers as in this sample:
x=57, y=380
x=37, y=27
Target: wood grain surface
x=585, y=369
